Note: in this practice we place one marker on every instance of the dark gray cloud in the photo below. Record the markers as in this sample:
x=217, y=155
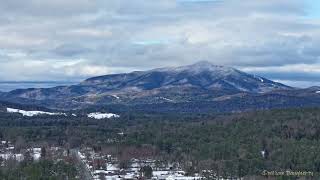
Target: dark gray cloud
x=58, y=40
x=70, y=50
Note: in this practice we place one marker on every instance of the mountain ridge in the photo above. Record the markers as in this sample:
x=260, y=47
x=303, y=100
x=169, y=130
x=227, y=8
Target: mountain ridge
x=202, y=74
x=194, y=84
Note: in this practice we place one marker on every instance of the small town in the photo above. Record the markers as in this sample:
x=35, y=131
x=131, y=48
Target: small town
x=103, y=166
x=95, y=165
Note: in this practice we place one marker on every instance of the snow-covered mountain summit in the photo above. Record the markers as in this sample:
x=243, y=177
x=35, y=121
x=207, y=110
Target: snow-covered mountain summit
x=200, y=67
x=202, y=75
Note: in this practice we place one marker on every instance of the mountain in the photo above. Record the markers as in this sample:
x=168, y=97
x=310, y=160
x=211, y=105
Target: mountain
x=187, y=87
x=239, y=102
x=5, y=105
x=202, y=75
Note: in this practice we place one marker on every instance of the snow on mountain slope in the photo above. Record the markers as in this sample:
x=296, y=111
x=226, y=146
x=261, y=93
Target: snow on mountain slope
x=202, y=75
x=98, y=115
x=95, y=115
x=199, y=68
x=32, y=113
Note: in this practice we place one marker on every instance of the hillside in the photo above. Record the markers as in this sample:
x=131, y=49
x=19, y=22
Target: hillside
x=198, y=87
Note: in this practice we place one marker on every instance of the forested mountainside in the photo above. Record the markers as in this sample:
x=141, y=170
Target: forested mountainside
x=201, y=87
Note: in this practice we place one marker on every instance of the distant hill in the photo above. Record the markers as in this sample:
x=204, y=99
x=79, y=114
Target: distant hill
x=197, y=87
x=5, y=105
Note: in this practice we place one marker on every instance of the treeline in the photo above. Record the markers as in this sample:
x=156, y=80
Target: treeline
x=239, y=145
x=43, y=169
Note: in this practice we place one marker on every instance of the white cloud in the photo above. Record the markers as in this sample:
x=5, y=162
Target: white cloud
x=307, y=68
x=42, y=39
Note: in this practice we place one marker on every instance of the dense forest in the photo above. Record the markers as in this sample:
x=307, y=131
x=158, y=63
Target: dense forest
x=44, y=169
x=243, y=144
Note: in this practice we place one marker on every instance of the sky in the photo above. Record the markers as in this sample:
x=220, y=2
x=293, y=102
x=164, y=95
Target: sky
x=71, y=40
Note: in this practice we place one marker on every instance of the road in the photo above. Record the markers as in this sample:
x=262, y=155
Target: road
x=83, y=169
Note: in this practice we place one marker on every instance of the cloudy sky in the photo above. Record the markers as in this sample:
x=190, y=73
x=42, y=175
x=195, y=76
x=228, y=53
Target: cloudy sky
x=69, y=40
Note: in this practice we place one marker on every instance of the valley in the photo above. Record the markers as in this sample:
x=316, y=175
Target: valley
x=238, y=145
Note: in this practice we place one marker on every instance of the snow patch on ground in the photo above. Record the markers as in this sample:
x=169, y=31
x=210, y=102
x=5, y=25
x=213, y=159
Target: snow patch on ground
x=115, y=96
x=7, y=156
x=98, y=115
x=32, y=113
x=166, y=99
x=95, y=115
x=260, y=79
x=318, y=92
x=36, y=153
